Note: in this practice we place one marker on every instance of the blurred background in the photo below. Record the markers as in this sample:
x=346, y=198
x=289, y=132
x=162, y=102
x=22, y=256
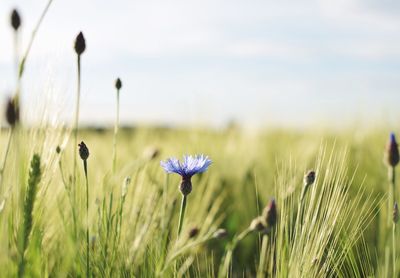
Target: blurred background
x=259, y=64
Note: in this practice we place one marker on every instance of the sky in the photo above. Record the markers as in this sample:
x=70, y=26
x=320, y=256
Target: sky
x=259, y=63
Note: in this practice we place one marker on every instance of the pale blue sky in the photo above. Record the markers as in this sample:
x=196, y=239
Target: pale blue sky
x=262, y=63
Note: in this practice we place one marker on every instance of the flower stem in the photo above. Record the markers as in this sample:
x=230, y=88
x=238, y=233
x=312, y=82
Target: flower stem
x=3, y=164
x=76, y=121
x=87, y=219
x=182, y=214
x=394, y=248
x=263, y=256
x=115, y=135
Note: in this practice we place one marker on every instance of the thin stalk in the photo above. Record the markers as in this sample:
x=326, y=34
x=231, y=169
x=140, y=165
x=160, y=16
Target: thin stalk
x=87, y=219
x=76, y=122
x=392, y=192
x=394, y=248
x=229, y=252
x=34, y=32
x=115, y=135
x=263, y=256
x=3, y=164
x=182, y=214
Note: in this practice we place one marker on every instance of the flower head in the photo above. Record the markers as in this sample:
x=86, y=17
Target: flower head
x=83, y=151
x=392, y=156
x=15, y=20
x=270, y=213
x=190, y=166
x=80, y=44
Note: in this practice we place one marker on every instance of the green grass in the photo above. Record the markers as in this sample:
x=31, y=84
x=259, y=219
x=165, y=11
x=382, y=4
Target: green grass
x=133, y=225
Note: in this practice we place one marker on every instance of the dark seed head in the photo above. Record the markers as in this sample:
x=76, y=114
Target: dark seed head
x=12, y=112
x=395, y=213
x=186, y=186
x=80, y=44
x=118, y=84
x=194, y=232
x=15, y=20
x=58, y=150
x=270, y=213
x=392, y=156
x=309, y=178
x=83, y=151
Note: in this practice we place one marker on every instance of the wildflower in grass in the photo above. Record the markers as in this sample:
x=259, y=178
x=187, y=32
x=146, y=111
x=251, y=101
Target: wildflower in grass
x=15, y=20
x=190, y=166
x=84, y=154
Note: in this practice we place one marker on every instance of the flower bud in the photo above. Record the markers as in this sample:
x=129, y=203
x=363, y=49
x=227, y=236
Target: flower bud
x=194, y=232
x=186, y=186
x=270, y=214
x=392, y=156
x=83, y=151
x=395, y=213
x=80, y=44
x=15, y=20
x=12, y=112
x=309, y=178
x=118, y=84
x=58, y=150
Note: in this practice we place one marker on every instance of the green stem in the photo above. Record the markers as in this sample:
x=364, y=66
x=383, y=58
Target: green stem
x=182, y=214
x=115, y=135
x=76, y=122
x=87, y=220
x=263, y=256
x=28, y=49
x=229, y=253
x=392, y=192
x=394, y=248
x=3, y=165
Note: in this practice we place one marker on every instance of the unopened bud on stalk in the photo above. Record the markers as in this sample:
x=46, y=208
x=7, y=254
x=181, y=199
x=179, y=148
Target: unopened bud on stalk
x=270, y=214
x=12, y=112
x=80, y=44
x=392, y=156
x=15, y=20
x=83, y=151
x=58, y=150
x=186, y=186
x=309, y=178
x=395, y=213
x=194, y=232
x=118, y=84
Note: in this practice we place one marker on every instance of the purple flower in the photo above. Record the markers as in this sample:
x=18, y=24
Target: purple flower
x=392, y=151
x=190, y=166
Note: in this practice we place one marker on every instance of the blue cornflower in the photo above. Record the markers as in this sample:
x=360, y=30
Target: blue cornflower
x=190, y=166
